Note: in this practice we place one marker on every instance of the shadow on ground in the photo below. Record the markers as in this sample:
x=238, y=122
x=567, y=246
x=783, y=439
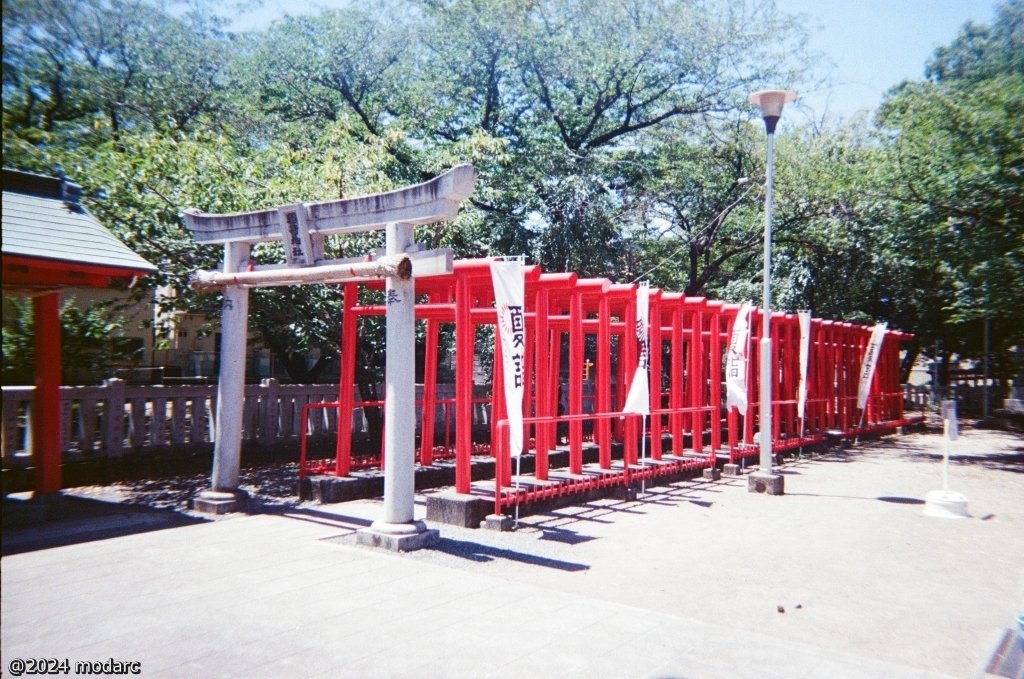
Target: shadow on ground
x=73, y=520
x=474, y=551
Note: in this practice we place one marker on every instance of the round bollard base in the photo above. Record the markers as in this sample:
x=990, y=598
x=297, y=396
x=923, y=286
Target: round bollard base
x=945, y=504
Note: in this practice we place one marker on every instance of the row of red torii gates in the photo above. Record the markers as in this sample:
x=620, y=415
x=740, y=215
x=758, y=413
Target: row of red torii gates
x=689, y=338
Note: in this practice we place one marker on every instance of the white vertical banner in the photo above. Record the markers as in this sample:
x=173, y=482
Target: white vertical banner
x=867, y=368
x=804, y=317
x=509, y=282
x=737, y=360
x=638, y=400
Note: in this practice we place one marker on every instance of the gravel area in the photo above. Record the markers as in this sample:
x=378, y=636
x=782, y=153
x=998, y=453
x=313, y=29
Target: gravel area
x=271, y=488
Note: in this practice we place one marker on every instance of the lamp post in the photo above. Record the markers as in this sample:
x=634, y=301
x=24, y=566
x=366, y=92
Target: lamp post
x=770, y=103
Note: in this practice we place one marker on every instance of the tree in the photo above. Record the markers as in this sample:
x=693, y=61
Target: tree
x=692, y=193
x=90, y=342
x=76, y=67
x=163, y=111
x=953, y=180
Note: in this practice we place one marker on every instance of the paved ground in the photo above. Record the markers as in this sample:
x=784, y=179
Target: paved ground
x=841, y=577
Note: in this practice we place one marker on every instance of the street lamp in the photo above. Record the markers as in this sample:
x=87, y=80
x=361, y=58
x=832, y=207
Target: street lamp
x=771, y=103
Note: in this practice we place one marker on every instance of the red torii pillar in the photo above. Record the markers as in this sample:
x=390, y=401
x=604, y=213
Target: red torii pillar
x=46, y=401
x=546, y=369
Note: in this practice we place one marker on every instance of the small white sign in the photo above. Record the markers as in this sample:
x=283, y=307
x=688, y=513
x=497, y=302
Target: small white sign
x=950, y=428
x=295, y=236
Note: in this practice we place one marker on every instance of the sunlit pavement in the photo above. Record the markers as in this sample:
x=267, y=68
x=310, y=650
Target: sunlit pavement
x=843, y=576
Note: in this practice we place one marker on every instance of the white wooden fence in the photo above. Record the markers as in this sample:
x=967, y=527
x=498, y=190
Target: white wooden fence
x=116, y=419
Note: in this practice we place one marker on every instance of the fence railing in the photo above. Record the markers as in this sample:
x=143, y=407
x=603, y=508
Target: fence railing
x=916, y=398
x=116, y=419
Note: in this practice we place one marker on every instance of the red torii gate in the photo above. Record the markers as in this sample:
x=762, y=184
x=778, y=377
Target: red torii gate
x=688, y=339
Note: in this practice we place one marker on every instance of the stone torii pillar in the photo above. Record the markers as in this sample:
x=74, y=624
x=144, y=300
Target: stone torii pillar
x=302, y=229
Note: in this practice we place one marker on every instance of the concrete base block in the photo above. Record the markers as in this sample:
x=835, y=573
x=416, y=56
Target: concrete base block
x=458, y=509
x=760, y=482
x=498, y=522
x=220, y=502
x=712, y=474
x=415, y=536
x=731, y=470
x=834, y=437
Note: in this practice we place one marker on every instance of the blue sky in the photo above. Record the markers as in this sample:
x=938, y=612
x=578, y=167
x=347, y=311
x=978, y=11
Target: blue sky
x=871, y=44
x=875, y=44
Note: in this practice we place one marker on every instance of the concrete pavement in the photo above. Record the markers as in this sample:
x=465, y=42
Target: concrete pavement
x=687, y=581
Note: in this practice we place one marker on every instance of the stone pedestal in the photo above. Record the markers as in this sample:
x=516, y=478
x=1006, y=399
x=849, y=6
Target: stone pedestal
x=458, y=509
x=760, y=482
x=398, y=537
x=498, y=522
x=713, y=474
x=731, y=469
x=219, y=502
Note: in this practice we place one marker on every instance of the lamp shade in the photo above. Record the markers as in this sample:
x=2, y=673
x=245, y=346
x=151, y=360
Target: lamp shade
x=771, y=101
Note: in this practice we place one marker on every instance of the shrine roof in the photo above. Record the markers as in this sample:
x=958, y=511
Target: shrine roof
x=43, y=219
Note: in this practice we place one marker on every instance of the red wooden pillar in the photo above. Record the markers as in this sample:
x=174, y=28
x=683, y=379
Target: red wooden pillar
x=850, y=374
x=654, y=358
x=753, y=375
x=897, y=387
x=464, y=351
x=715, y=373
x=829, y=378
x=602, y=381
x=46, y=406
x=777, y=329
x=429, y=395
x=346, y=383
x=835, y=375
x=695, y=381
x=791, y=373
x=842, y=377
x=542, y=340
x=812, y=412
x=677, y=377
x=555, y=394
x=528, y=380
x=729, y=313
x=576, y=382
x=628, y=358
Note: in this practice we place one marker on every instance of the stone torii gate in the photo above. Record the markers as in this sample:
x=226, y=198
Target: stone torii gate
x=302, y=228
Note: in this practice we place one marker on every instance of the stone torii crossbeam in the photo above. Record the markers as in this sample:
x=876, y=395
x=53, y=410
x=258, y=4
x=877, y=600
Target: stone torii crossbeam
x=302, y=229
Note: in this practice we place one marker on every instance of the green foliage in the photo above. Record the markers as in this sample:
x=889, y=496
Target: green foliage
x=952, y=180
x=90, y=343
x=611, y=138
